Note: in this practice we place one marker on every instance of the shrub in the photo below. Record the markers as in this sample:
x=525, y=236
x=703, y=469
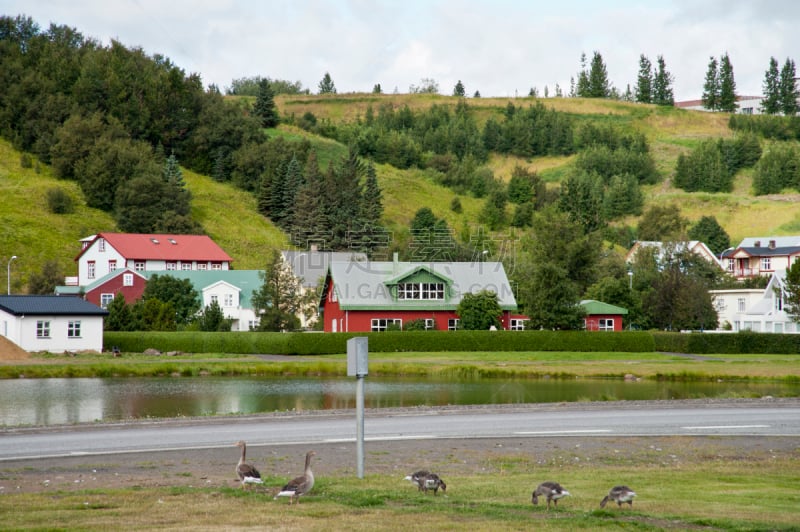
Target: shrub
x=59, y=201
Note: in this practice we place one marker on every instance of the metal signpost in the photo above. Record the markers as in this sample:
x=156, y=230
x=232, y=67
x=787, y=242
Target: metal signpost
x=357, y=366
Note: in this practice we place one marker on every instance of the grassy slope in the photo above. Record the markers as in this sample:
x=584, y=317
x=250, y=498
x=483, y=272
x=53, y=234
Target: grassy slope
x=229, y=216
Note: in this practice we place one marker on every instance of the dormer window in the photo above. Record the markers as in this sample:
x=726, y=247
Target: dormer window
x=426, y=291
x=101, y=245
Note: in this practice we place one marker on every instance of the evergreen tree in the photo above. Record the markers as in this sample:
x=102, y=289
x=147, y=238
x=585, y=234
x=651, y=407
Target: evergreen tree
x=711, y=86
x=376, y=89
x=770, y=105
x=372, y=200
x=459, y=90
x=310, y=222
x=326, y=85
x=280, y=299
x=792, y=291
x=662, y=85
x=708, y=231
x=582, y=199
x=644, y=82
x=120, y=316
x=789, y=92
x=264, y=108
x=581, y=87
x=599, y=86
x=477, y=94
x=291, y=185
x=212, y=319
x=727, y=86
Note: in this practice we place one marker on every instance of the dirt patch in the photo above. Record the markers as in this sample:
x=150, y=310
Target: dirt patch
x=11, y=351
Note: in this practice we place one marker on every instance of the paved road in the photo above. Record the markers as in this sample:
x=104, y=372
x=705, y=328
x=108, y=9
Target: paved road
x=767, y=418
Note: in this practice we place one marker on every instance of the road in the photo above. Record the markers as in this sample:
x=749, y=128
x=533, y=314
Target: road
x=736, y=417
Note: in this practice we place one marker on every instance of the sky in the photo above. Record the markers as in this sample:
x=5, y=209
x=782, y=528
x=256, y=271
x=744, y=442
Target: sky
x=501, y=48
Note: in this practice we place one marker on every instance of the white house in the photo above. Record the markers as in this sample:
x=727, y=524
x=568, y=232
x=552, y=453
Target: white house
x=755, y=309
x=231, y=289
x=761, y=256
x=105, y=252
x=662, y=248
x=53, y=324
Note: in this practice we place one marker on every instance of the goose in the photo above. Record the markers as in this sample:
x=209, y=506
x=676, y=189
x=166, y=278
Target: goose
x=300, y=485
x=551, y=490
x=431, y=481
x=416, y=478
x=619, y=495
x=247, y=473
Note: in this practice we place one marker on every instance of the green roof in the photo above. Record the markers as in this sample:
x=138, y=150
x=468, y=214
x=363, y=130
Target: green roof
x=592, y=306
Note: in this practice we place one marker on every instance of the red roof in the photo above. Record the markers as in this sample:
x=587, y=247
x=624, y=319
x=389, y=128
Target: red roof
x=164, y=247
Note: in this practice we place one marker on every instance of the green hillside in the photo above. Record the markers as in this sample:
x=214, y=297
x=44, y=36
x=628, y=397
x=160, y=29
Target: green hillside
x=229, y=215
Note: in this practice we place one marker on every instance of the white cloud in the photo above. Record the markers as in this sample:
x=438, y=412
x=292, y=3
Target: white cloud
x=500, y=47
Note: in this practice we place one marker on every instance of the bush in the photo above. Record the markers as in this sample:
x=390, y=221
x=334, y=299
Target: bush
x=59, y=201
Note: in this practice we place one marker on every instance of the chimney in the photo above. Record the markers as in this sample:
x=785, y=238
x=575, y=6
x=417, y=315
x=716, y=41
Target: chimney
x=771, y=244
x=395, y=261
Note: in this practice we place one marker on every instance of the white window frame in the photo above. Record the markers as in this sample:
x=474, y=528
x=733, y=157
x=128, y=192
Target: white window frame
x=452, y=324
x=186, y=266
x=215, y=299
x=766, y=263
x=101, y=245
x=112, y=265
x=741, y=304
x=202, y=266
x=517, y=324
x=424, y=291
x=91, y=269
x=127, y=279
x=605, y=324
x=43, y=329
x=228, y=298
x=430, y=324
x=172, y=265
x=138, y=266
x=74, y=329
x=381, y=324
x=106, y=299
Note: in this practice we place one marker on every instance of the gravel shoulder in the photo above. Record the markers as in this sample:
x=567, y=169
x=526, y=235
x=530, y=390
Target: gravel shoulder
x=450, y=457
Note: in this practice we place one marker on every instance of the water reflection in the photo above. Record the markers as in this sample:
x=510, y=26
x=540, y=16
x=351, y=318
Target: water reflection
x=56, y=401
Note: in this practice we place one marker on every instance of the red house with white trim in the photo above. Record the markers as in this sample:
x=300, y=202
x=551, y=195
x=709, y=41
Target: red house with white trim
x=373, y=296
x=602, y=316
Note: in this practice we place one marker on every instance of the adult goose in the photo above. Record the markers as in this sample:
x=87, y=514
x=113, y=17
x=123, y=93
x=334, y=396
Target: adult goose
x=417, y=476
x=619, y=495
x=247, y=473
x=300, y=485
x=431, y=481
x=552, y=491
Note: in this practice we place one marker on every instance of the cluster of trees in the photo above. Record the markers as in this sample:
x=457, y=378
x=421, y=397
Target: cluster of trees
x=711, y=166
x=252, y=85
x=719, y=88
x=780, y=89
x=777, y=170
x=167, y=304
x=654, y=87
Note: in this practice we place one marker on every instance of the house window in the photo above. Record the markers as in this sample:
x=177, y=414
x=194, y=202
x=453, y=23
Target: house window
x=740, y=304
x=101, y=245
x=766, y=263
x=252, y=325
x=605, y=324
x=720, y=304
x=138, y=266
x=381, y=324
x=186, y=266
x=127, y=279
x=105, y=299
x=42, y=329
x=228, y=300
x=215, y=298
x=517, y=324
x=112, y=265
x=172, y=265
x=216, y=265
x=452, y=324
x=91, y=269
x=430, y=324
x=420, y=291
x=74, y=329
x=730, y=264
x=202, y=266
x=778, y=301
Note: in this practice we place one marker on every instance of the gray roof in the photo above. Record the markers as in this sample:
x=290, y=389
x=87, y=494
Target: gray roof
x=311, y=266
x=760, y=251
x=49, y=306
x=366, y=285
x=764, y=241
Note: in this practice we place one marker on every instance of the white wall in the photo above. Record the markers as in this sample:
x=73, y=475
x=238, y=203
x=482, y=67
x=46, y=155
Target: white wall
x=22, y=331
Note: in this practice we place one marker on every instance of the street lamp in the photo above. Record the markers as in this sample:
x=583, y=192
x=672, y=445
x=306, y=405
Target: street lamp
x=9, y=273
x=630, y=279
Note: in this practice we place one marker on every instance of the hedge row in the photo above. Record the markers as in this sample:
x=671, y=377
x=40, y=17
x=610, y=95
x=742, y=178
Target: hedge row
x=419, y=341
x=744, y=342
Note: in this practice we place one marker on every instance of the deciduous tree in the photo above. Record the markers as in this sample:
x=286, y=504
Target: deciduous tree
x=479, y=311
